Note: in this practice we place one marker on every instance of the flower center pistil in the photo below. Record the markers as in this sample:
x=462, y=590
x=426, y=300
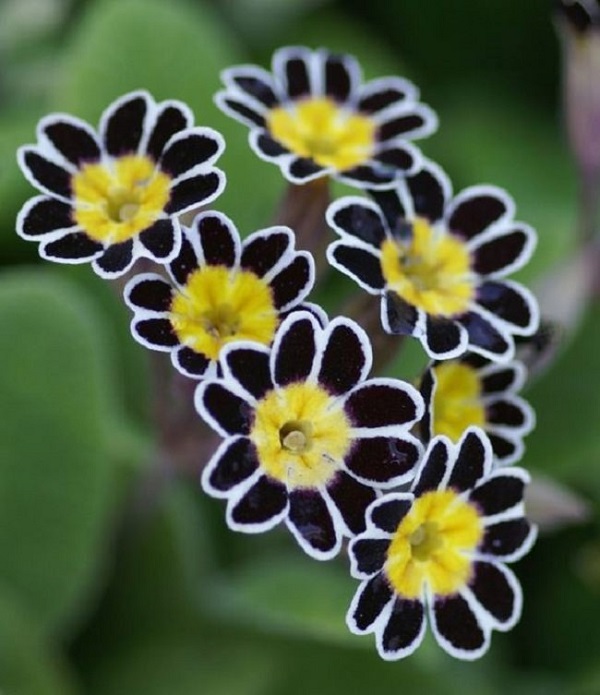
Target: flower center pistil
x=122, y=204
x=425, y=541
x=221, y=321
x=296, y=436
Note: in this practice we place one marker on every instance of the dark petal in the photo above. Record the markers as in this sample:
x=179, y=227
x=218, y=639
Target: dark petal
x=401, y=318
x=116, y=258
x=499, y=380
x=494, y=591
x=382, y=93
x=171, y=120
x=434, y=468
x=190, y=362
x=374, y=596
x=388, y=514
x=233, y=414
x=476, y=212
x=236, y=463
x=502, y=447
x=405, y=627
x=362, y=265
x=46, y=215
x=501, y=252
x=506, y=538
x=310, y=517
x=360, y=220
x=153, y=294
x=263, y=250
x=426, y=389
x=187, y=152
x=302, y=169
x=444, y=337
x=185, y=262
x=255, y=84
x=72, y=247
x=218, y=238
x=404, y=124
x=155, y=332
x=505, y=413
x=295, y=352
x=46, y=174
x=370, y=554
x=194, y=191
x=352, y=499
x=263, y=501
x=374, y=174
x=380, y=402
x=270, y=148
x=251, y=369
x=241, y=110
x=498, y=494
x=381, y=459
x=456, y=623
x=124, y=126
x=292, y=67
x=428, y=189
x=483, y=335
x=292, y=283
x=470, y=463
x=344, y=359
x=507, y=302
x=73, y=140
x=159, y=239
x=398, y=158
x=391, y=206
x=338, y=77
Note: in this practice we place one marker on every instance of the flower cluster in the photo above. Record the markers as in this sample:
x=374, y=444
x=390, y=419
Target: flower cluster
x=419, y=481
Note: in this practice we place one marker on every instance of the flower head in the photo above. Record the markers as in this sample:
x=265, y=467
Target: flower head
x=441, y=549
x=439, y=263
x=313, y=117
x=471, y=390
x=112, y=196
x=308, y=438
x=222, y=290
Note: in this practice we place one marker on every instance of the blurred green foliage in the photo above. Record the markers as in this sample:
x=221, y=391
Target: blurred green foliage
x=114, y=582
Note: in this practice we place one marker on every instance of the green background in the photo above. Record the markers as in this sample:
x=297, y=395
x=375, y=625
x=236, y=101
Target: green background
x=116, y=579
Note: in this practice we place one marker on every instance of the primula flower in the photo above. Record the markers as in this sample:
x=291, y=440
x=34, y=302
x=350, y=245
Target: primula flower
x=471, y=390
x=441, y=549
x=439, y=263
x=111, y=197
x=222, y=290
x=313, y=117
x=308, y=438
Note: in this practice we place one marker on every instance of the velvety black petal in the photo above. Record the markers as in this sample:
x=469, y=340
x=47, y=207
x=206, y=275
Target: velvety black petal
x=233, y=414
x=190, y=362
x=398, y=158
x=255, y=83
x=338, y=78
x=171, y=119
x=370, y=554
x=433, y=469
x=506, y=538
x=362, y=265
x=405, y=627
x=265, y=500
x=124, y=126
x=263, y=250
x=154, y=294
x=237, y=462
x=370, y=175
x=360, y=220
x=310, y=517
x=372, y=599
x=501, y=252
x=72, y=247
x=498, y=494
x=185, y=262
x=444, y=337
x=292, y=67
x=494, y=591
x=267, y=146
x=399, y=317
x=303, y=169
x=500, y=380
x=404, y=124
x=291, y=283
x=470, y=462
x=116, y=258
x=483, y=335
x=388, y=513
x=380, y=94
x=505, y=413
x=426, y=390
x=506, y=302
x=241, y=110
x=155, y=332
x=251, y=369
x=352, y=499
x=476, y=212
x=381, y=459
x=391, y=206
x=428, y=190
x=218, y=239
x=184, y=153
x=379, y=403
x=159, y=239
x=46, y=174
x=44, y=216
x=344, y=359
x=193, y=191
x=456, y=623
x=295, y=352
x=502, y=447
x=73, y=140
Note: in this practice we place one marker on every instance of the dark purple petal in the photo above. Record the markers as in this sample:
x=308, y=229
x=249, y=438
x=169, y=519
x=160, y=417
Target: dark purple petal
x=505, y=413
x=302, y=169
x=116, y=258
x=506, y=538
x=264, y=501
x=380, y=94
x=362, y=265
x=233, y=414
x=255, y=83
x=434, y=468
x=508, y=302
x=469, y=466
x=172, y=118
x=270, y=148
x=185, y=153
x=292, y=68
x=428, y=189
x=193, y=192
x=251, y=369
x=372, y=598
x=237, y=462
x=392, y=207
x=501, y=252
x=399, y=317
x=295, y=352
x=405, y=627
x=352, y=499
x=263, y=250
x=426, y=389
x=502, y=447
x=360, y=220
x=155, y=332
x=498, y=494
x=124, y=126
x=370, y=554
x=190, y=362
x=153, y=294
x=76, y=247
x=218, y=238
x=340, y=72
x=44, y=216
x=500, y=380
x=310, y=517
x=46, y=174
x=185, y=262
x=379, y=403
x=494, y=591
x=398, y=158
x=476, y=212
x=389, y=512
x=159, y=239
x=405, y=124
x=456, y=623
x=372, y=174
x=444, y=337
x=344, y=359
x=73, y=140
x=291, y=284
x=381, y=459
x=240, y=109
x=485, y=336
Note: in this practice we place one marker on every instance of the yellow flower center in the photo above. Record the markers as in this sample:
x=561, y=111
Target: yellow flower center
x=431, y=546
x=219, y=305
x=116, y=202
x=456, y=400
x=301, y=434
x=323, y=131
x=431, y=271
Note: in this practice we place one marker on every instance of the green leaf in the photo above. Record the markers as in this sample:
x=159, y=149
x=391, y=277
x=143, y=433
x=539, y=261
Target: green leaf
x=56, y=471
